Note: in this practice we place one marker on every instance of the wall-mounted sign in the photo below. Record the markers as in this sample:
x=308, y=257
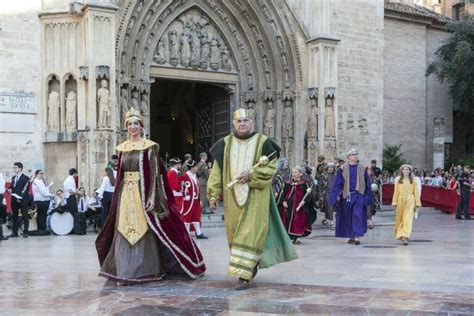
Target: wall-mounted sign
x=16, y=102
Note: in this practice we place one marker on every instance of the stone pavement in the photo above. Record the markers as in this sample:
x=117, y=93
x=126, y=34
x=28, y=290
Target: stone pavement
x=434, y=275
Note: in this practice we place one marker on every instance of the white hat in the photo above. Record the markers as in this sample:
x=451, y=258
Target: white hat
x=352, y=152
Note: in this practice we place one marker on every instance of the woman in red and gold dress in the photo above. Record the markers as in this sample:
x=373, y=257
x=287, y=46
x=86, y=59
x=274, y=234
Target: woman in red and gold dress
x=143, y=238
x=296, y=207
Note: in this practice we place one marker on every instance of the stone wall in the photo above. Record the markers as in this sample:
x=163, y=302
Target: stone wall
x=359, y=25
x=20, y=75
x=404, y=117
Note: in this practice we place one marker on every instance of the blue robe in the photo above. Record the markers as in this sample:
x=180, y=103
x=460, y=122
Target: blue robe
x=351, y=218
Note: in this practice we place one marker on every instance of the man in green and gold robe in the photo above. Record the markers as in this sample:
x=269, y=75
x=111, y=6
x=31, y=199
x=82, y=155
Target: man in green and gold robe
x=255, y=234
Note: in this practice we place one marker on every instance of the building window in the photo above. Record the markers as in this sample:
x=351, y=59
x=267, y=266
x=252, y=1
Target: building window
x=458, y=10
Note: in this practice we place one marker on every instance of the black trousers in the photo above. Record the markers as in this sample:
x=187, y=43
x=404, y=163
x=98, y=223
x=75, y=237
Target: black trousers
x=72, y=204
x=17, y=207
x=41, y=213
x=106, y=201
x=463, y=204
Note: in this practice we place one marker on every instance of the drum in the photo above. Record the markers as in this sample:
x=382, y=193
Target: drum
x=374, y=187
x=60, y=223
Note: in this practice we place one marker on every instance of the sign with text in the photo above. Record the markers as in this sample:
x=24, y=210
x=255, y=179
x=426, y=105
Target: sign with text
x=18, y=102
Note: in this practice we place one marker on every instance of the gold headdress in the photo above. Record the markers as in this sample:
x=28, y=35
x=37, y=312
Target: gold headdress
x=241, y=113
x=132, y=115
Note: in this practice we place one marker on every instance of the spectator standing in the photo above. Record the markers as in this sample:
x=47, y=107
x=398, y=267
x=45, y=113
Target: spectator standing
x=106, y=191
x=465, y=188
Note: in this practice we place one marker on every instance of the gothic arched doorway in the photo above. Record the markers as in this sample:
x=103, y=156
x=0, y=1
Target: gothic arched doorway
x=187, y=117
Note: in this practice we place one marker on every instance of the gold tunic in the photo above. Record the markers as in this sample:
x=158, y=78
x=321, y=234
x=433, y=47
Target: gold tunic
x=406, y=197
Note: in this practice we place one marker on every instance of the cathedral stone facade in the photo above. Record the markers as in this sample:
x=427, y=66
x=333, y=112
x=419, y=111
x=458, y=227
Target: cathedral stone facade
x=318, y=76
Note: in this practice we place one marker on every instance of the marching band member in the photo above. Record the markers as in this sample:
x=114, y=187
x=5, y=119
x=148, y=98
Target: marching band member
x=191, y=212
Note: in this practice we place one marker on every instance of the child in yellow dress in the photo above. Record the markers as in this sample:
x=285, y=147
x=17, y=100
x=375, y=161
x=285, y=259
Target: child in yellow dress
x=406, y=198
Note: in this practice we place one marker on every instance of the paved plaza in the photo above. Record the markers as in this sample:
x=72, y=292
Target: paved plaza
x=434, y=275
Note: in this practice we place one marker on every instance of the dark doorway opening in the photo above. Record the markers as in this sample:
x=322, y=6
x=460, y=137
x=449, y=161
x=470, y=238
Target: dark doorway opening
x=187, y=117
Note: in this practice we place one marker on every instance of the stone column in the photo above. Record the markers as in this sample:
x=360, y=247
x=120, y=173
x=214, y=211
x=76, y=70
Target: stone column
x=438, y=142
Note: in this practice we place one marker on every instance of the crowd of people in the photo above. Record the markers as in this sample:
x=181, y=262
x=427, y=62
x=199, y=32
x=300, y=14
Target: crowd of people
x=145, y=208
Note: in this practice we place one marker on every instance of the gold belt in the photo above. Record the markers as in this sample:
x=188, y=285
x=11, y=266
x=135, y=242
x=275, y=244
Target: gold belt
x=131, y=176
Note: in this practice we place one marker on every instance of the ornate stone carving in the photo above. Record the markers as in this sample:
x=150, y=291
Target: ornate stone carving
x=269, y=120
x=53, y=111
x=103, y=101
x=362, y=124
x=194, y=42
x=83, y=72
x=313, y=93
x=83, y=142
x=71, y=106
x=102, y=72
x=329, y=125
x=288, y=97
x=329, y=92
x=134, y=101
x=123, y=104
x=439, y=128
x=250, y=101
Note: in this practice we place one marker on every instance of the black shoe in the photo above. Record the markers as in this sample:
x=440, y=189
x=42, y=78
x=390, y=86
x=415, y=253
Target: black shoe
x=350, y=241
x=12, y=235
x=459, y=217
x=469, y=218
x=242, y=285
x=202, y=236
x=3, y=238
x=24, y=235
x=357, y=242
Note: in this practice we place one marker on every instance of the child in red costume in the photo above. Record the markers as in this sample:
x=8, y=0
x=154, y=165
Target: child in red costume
x=191, y=211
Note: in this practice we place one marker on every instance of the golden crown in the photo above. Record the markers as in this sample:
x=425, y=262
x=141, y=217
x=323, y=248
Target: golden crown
x=241, y=113
x=132, y=115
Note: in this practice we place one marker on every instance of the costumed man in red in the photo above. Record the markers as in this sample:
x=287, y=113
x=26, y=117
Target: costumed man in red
x=191, y=212
x=174, y=179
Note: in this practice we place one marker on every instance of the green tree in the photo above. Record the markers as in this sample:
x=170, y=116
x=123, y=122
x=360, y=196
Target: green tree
x=455, y=64
x=392, y=157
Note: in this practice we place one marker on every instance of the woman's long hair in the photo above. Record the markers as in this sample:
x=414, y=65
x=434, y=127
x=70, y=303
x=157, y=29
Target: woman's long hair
x=110, y=174
x=410, y=176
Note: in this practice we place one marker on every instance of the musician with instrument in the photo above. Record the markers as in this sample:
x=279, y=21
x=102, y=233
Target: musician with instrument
x=245, y=162
x=42, y=198
x=19, y=200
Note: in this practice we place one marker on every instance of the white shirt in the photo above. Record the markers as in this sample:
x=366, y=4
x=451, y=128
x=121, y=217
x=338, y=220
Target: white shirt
x=69, y=186
x=2, y=184
x=41, y=191
x=105, y=187
x=418, y=184
x=83, y=204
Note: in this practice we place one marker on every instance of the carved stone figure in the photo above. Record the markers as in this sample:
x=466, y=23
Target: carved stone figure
x=329, y=130
x=215, y=54
x=53, y=111
x=363, y=126
x=288, y=119
x=266, y=67
x=439, y=130
x=174, y=47
x=71, y=106
x=313, y=120
x=269, y=121
x=160, y=54
x=144, y=103
x=226, y=62
x=103, y=100
x=185, y=48
x=134, y=101
x=123, y=102
x=195, y=47
x=251, y=110
x=205, y=50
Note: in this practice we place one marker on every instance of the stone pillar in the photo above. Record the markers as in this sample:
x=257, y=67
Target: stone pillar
x=438, y=142
x=313, y=126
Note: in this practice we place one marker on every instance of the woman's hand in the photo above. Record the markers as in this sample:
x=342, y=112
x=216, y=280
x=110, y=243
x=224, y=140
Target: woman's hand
x=150, y=205
x=285, y=205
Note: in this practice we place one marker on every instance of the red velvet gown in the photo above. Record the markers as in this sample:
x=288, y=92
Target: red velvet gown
x=297, y=223
x=191, y=212
x=174, y=180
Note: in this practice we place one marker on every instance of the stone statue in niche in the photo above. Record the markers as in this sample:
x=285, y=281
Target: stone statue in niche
x=126, y=39
x=226, y=63
x=134, y=101
x=103, y=100
x=123, y=103
x=251, y=110
x=71, y=106
x=269, y=121
x=215, y=54
x=160, y=54
x=329, y=129
x=288, y=119
x=439, y=130
x=313, y=119
x=285, y=60
x=174, y=47
x=205, y=50
x=53, y=111
x=144, y=103
x=287, y=78
x=266, y=67
x=195, y=46
x=185, y=48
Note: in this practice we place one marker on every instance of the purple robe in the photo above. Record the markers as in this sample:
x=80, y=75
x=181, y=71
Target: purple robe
x=351, y=218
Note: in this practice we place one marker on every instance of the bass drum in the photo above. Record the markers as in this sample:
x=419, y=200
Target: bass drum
x=60, y=223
